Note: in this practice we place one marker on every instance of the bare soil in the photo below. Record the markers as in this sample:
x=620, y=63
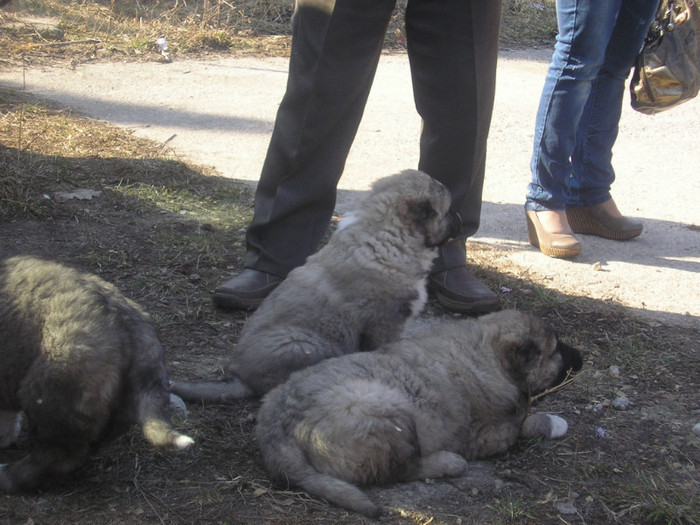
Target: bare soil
x=167, y=233
x=152, y=232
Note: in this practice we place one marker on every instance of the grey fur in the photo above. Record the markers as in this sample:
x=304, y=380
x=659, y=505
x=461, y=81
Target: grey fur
x=81, y=362
x=354, y=294
x=413, y=409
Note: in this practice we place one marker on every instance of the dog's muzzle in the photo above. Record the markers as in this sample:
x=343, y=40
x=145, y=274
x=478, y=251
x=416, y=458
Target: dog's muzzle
x=572, y=358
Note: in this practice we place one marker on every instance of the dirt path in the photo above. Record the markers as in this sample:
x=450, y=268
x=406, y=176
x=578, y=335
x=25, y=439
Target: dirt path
x=220, y=112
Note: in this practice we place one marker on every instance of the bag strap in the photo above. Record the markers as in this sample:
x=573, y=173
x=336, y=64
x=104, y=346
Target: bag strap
x=666, y=19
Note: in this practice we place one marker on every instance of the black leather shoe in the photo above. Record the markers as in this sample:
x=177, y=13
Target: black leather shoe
x=458, y=290
x=246, y=291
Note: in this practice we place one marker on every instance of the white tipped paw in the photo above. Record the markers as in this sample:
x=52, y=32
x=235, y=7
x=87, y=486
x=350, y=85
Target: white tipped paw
x=559, y=426
x=544, y=426
x=182, y=442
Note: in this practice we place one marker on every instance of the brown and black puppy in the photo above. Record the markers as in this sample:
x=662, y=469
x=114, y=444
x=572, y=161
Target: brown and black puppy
x=354, y=294
x=81, y=362
x=414, y=409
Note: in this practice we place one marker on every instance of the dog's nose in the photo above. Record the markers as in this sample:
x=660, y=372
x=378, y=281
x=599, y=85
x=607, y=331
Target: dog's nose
x=571, y=356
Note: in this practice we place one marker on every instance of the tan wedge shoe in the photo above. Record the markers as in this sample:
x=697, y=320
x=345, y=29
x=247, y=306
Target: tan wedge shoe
x=596, y=220
x=558, y=245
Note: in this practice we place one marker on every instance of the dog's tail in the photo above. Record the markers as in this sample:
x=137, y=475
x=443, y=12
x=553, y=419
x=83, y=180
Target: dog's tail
x=289, y=464
x=339, y=492
x=155, y=425
x=225, y=391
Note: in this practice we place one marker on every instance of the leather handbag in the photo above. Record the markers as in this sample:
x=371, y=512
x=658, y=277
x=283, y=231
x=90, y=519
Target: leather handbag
x=667, y=71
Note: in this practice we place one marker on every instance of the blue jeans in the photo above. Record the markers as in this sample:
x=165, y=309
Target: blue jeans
x=580, y=107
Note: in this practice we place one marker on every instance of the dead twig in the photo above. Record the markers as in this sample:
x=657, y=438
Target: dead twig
x=570, y=378
x=63, y=44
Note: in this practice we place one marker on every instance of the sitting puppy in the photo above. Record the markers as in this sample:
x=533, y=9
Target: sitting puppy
x=81, y=361
x=414, y=409
x=354, y=294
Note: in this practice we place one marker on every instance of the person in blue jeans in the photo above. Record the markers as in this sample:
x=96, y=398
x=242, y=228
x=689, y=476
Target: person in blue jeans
x=577, y=124
x=336, y=44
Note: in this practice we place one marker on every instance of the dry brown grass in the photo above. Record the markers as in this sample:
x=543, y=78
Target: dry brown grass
x=35, y=30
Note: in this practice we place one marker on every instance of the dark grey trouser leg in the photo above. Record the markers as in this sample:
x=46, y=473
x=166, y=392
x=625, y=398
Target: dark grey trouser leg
x=331, y=69
x=453, y=50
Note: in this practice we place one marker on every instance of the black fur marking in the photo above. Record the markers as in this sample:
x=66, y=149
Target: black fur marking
x=422, y=211
x=573, y=360
x=527, y=351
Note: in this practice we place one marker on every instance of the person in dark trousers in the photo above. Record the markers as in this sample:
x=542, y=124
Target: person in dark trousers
x=452, y=49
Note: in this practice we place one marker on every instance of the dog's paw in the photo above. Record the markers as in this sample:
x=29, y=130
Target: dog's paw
x=559, y=426
x=178, y=406
x=5, y=485
x=182, y=442
x=442, y=464
x=544, y=426
x=10, y=425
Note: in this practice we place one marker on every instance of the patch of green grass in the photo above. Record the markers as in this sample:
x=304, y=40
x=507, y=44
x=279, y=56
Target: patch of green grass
x=511, y=508
x=648, y=498
x=216, y=40
x=628, y=351
x=538, y=298
x=221, y=211
x=141, y=45
x=44, y=150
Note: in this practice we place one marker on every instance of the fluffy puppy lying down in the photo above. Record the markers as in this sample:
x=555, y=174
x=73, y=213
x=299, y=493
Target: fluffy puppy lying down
x=82, y=362
x=414, y=409
x=354, y=294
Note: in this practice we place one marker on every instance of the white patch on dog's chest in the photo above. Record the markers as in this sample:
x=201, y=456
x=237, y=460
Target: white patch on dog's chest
x=347, y=220
x=418, y=304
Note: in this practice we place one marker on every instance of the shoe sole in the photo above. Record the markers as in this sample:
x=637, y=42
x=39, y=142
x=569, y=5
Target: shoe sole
x=589, y=226
x=471, y=308
x=557, y=253
x=229, y=302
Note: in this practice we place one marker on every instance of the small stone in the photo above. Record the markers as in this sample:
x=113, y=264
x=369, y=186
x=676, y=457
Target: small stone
x=81, y=194
x=596, y=408
x=696, y=429
x=614, y=370
x=621, y=403
x=600, y=432
x=565, y=507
